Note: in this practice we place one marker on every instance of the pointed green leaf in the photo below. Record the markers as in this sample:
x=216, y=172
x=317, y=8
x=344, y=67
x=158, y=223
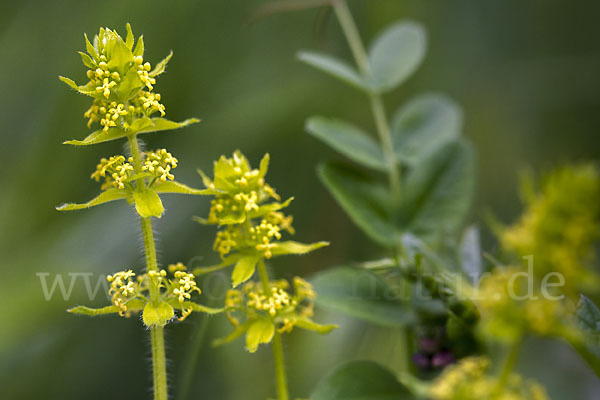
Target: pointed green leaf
x=244, y=269
x=161, y=124
x=100, y=136
x=227, y=261
x=332, y=66
x=157, y=314
x=120, y=56
x=439, y=192
x=92, y=312
x=129, y=87
x=80, y=89
x=268, y=208
x=145, y=126
x=161, y=66
x=261, y=331
x=395, y=54
x=104, y=197
x=363, y=199
x=308, y=324
x=237, y=332
x=424, y=124
x=195, y=307
x=361, y=294
x=176, y=187
x=349, y=140
x=129, y=39
x=148, y=204
x=291, y=247
x=361, y=380
x=87, y=60
x=132, y=305
x=264, y=165
x=139, y=47
x=89, y=48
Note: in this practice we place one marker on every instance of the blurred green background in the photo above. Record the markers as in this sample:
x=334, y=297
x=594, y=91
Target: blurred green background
x=525, y=72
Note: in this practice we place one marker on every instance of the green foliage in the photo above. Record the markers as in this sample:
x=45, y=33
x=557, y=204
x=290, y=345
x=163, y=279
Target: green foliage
x=361, y=380
x=395, y=55
x=348, y=140
x=362, y=294
x=364, y=200
x=423, y=124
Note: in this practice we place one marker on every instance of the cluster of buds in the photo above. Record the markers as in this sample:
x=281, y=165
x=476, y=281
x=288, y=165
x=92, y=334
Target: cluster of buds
x=469, y=380
x=122, y=289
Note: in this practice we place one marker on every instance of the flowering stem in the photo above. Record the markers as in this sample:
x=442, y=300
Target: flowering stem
x=280, y=375
x=377, y=107
x=157, y=338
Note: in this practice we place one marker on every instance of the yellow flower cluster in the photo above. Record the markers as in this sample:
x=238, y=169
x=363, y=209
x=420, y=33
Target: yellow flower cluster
x=118, y=173
x=177, y=289
x=508, y=310
x=159, y=163
x=560, y=226
x=122, y=289
x=120, y=81
x=250, y=224
x=468, y=380
x=278, y=304
x=115, y=171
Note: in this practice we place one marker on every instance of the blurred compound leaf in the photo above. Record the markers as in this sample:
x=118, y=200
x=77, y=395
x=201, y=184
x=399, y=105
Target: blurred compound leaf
x=395, y=55
x=104, y=197
x=148, y=204
x=438, y=192
x=361, y=380
x=349, y=140
x=362, y=294
x=363, y=199
x=334, y=67
x=423, y=124
x=588, y=320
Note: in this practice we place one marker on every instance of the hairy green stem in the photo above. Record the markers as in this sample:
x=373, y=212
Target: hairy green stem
x=280, y=375
x=377, y=107
x=157, y=337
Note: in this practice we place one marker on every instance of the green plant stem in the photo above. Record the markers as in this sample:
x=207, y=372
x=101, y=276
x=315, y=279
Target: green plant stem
x=280, y=375
x=159, y=362
x=157, y=337
x=377, y=107
x=508, y=366
x=282, y=390
x=357, y=48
